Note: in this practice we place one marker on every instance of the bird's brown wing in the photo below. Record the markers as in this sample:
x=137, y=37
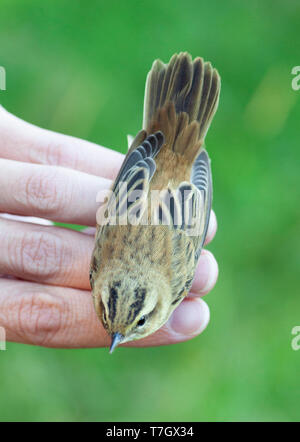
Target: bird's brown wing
x=186, y=210
x=201, y=178
x=131, y=186
x=128, y=197
x=141, y=149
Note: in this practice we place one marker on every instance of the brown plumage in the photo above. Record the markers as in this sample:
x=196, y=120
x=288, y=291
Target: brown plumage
x=142, y=268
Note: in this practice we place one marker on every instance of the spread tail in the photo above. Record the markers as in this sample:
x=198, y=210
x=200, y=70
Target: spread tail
x=181, y=98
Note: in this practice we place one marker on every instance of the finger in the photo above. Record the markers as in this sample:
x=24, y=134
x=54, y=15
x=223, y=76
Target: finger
x=22, y=141
x=61, y=256
x=206, y=274
x=45, y=254
x=212, y=228
x=51, y=316
x=54, y=193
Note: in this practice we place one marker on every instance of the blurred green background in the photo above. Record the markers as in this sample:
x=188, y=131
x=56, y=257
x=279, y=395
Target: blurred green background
x=79, y=68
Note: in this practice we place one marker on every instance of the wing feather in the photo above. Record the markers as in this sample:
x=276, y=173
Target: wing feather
x=201, y=178
x=131, y=188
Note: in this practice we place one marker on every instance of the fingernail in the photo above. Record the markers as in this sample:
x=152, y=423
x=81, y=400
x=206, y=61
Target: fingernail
x=212, y=227
x=190, y=318
x=207, y=273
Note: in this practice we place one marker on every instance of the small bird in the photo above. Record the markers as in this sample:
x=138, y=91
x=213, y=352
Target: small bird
x=156, y=217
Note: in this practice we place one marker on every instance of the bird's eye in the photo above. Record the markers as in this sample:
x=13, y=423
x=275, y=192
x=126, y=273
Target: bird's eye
x=141, y=322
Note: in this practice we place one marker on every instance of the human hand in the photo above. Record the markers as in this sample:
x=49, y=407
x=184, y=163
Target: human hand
x=44, y=283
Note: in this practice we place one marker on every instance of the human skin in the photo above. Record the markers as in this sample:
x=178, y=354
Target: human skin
x=45, y=294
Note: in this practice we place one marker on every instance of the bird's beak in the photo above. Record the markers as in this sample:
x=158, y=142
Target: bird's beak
x=116, y=339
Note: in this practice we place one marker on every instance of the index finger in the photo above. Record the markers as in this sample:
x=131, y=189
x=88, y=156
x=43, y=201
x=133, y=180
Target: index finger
x=63, y=317
x=22, y=141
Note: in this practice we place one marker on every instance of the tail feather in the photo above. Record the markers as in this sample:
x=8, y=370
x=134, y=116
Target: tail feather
x=181, y=99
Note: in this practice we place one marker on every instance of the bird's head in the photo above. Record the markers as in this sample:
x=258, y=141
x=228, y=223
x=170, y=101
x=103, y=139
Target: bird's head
x=131, y=305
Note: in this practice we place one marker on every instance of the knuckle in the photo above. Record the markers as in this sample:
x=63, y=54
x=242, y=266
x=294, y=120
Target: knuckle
x=58, y=154
x=54, y=153
x=39, y=254
x=42, y=193
x=38, y=317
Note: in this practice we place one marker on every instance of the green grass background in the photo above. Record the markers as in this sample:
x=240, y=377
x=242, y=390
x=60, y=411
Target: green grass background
x=79, y=67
